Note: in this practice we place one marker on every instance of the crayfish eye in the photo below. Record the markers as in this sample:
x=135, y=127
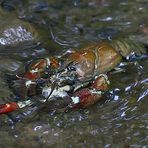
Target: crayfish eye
x=71, y=68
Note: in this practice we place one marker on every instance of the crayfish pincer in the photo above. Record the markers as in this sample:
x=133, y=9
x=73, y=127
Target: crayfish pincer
x=78, y=78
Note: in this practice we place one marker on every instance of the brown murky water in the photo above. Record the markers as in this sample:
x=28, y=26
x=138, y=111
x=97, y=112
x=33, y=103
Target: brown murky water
x=121, y=120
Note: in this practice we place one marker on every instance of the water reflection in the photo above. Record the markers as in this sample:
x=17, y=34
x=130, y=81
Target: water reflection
x=13, y=35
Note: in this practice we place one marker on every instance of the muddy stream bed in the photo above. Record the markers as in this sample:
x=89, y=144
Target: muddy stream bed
x=32, y=29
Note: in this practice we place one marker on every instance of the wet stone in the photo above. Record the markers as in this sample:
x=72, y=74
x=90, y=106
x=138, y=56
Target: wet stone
x=13, y=30
x=17, y=35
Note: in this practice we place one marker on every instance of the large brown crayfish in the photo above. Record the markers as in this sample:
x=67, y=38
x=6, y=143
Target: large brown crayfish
x=78, y=77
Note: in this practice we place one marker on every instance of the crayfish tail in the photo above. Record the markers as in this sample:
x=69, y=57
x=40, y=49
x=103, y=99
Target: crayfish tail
x=127, y=47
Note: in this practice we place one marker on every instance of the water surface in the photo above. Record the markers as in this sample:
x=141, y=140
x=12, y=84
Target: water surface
x=120, y=120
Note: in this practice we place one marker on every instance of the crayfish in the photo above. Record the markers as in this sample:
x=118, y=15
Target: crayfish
x=78, y=78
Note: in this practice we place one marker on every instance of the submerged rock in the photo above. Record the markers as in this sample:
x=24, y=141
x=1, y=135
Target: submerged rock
x=13, y=30
x=18, y=35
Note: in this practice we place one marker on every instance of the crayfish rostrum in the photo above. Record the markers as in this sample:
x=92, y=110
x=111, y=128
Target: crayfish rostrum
x=78, y=77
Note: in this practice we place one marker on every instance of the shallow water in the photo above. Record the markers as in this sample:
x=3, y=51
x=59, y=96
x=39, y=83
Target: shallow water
x=120, y=120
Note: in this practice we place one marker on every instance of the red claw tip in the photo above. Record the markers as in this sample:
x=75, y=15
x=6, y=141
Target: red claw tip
x=9, y=107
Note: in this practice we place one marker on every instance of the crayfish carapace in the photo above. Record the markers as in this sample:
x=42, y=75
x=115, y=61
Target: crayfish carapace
x=78, y=77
